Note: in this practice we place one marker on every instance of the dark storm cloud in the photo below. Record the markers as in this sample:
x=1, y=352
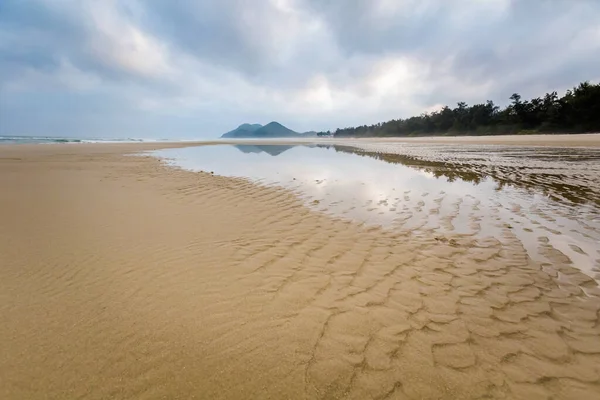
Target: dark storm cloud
x=207, y=65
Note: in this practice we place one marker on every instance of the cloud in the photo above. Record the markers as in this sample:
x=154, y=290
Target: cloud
x=198, y=68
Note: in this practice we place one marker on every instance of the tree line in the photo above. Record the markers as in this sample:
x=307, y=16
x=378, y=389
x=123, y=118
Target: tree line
x=577, y=111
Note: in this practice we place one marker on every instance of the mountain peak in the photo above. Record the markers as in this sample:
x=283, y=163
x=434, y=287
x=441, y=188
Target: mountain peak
x=250, y=126
x=244, y=130
x=272, y=130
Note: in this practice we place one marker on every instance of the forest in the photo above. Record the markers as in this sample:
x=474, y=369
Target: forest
x=578, y=111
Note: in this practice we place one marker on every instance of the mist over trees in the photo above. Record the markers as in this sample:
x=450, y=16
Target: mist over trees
x=577, y=111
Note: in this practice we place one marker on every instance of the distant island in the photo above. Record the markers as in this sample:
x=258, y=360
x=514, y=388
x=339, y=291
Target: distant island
x=578, y=111
x=271, y=130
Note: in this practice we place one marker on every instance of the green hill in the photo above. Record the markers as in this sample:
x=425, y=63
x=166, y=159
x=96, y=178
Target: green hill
x=274, y=130
x=271, y=130
x=242, y=131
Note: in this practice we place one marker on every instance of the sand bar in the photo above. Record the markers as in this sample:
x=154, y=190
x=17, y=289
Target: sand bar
x=583, y=140
x=123, y=278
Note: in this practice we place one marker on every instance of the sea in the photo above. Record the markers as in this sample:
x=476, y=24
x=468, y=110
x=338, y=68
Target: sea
x=60, y=139
x=15, y=139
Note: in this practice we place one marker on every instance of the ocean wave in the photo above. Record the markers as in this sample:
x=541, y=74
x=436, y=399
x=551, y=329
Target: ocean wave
x=51, y=139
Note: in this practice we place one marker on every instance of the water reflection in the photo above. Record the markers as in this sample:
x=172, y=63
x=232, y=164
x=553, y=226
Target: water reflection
x=437, y=168
x=273, y=150
x=553, y=181
x=549, y=207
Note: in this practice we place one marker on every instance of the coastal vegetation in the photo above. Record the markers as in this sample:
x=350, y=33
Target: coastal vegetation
x=578, y=111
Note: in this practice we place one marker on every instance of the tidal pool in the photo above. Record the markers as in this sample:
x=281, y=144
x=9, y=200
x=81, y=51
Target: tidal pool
x=548, y=198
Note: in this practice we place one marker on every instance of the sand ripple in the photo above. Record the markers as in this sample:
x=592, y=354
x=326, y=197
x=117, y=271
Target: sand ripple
x=122, y=278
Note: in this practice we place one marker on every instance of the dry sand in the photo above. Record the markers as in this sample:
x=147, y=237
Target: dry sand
x=123, y=278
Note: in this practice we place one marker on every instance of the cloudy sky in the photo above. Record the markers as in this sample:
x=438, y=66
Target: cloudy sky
x=197, y=68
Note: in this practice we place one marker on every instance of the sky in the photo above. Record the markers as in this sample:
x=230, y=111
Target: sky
x=196, y=69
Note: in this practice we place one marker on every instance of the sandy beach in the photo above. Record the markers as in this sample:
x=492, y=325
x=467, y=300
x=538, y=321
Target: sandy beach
x=124, y=278
x=584, y=140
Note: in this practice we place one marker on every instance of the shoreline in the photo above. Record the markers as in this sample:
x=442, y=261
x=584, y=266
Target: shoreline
x=123, y=277
x=551, y=140
x=558, y=140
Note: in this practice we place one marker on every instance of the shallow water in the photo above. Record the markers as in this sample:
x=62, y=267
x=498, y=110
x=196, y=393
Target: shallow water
x=548, y=198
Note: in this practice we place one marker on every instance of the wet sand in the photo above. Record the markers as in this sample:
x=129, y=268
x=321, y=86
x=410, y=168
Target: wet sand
x=124, y=278
x=547, y=197
x=584, y=140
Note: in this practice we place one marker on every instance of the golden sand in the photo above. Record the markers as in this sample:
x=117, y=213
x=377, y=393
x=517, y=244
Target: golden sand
x=121, y=278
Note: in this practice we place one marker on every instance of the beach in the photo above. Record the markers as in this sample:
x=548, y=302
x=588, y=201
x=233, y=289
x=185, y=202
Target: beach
x=122, y=277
